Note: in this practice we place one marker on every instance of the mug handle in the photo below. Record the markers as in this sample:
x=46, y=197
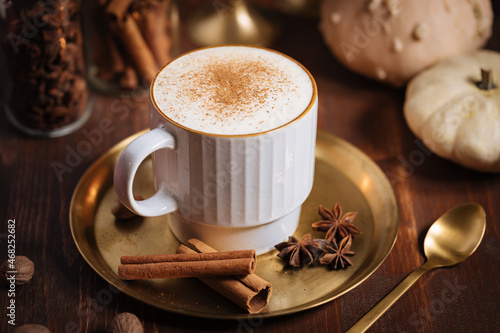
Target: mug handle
x=162, y=202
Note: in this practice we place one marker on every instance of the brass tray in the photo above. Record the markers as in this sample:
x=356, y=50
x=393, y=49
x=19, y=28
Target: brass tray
x=343, y=173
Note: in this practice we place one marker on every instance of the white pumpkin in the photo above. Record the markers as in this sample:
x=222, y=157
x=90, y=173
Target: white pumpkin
x=456, y=119
x=392, y=40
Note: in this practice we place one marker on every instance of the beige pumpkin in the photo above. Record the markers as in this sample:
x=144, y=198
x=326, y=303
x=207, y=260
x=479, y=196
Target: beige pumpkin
x=453, y=111
x=392, y=40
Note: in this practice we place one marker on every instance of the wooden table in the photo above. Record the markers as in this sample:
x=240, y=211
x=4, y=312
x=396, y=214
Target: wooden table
x=64, y=294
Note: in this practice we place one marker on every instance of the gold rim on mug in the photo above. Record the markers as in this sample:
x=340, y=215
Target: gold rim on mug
x=308, y=108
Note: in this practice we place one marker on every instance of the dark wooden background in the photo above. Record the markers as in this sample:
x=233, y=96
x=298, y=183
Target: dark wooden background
x=63, y=293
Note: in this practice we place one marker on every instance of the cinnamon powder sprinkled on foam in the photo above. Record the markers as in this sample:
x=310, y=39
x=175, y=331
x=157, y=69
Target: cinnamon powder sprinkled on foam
x=233, y=92
x=233, y=88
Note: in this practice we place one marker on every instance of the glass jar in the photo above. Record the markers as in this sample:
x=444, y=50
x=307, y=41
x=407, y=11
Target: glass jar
x=127, y=42
x=45, y=93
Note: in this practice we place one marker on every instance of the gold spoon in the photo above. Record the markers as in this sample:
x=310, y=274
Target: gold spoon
x=450, y=240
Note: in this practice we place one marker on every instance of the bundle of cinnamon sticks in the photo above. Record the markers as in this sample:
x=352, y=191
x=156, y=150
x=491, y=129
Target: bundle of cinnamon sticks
x=229, y=273
x=134, y=41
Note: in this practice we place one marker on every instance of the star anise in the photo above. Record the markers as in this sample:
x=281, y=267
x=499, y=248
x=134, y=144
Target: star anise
x=336, y=226
x=336, y=255
x=299, y=253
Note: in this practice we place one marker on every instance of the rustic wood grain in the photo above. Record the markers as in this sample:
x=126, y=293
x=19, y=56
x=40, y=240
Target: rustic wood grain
x=66, y=295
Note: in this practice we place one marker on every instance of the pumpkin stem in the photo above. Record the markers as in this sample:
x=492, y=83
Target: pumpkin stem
x=486, y=82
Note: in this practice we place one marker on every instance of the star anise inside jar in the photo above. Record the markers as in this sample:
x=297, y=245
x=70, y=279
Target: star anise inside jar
x=336, y=225
x=300, y=253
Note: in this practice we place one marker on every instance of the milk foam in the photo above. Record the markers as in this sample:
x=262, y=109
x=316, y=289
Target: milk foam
x=232, y=90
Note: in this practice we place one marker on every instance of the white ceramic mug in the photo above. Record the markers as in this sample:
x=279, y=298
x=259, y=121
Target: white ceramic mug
x=232, y=191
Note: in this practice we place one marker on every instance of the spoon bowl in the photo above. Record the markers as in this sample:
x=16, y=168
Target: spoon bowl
x=451, y=239
x=455, y=235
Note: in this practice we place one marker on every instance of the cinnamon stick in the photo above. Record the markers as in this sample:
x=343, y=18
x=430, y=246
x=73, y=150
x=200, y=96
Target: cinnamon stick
x=182, y=257
x=179, y=269
x=250, y=292
x=117, y=9
x=128, y=79
x=133, y=42
x=115, y=55
x=153, y=25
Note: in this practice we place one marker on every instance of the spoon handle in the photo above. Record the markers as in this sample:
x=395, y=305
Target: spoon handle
x=374, y=314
